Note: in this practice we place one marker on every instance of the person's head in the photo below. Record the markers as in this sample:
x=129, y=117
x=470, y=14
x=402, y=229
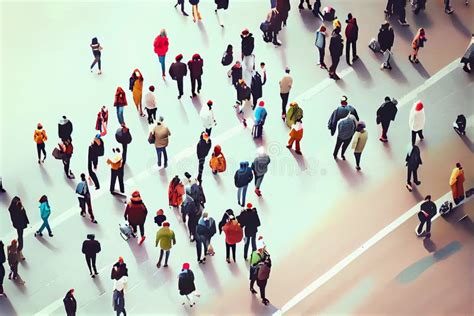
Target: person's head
x=421, y=31
x=160, y=120
x=205, y=215
x=160, y=212
x=428, y=198
x=179, y=57
x=344, y=100
x=91, y=236
x=245, y=32
x=249, y=206
x=64, y=117
x=151, y=88
x=120, y=260
x=217, y=150
x=39, y=126
x=360, y=126
x=337, y=30
x=136, y=197
x=262, y=65
x=261, y=151
x=261, y=103
x=322, y=28
x=166, y=224
x=163, y=33
x=458, y=165
x=175, y=181
x=116, y=150
x=83, y=177
x=196, y=56
x=386, y=24
x=205, y=136
x=70, y=292
x=94, y=41
x=229, y=48
x=186, y=266
x=387, y=99
x=15, y=202
x=293, y=104
x=419, y=106
x=299, y=121
x=13, y=243
x=43, y=199
x=287, y=70
x=349, y=16
x=209, y=104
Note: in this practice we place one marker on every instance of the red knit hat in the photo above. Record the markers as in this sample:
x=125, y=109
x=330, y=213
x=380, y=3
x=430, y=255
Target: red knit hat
x=245, y=32
x=136, y=196
x=179, y=57
x=186, y=266
x=249, y=205
x=419, y=106
x=210, y=102
x=166, y=224
x=39, y=126
x=261, y=103
x=120, y=259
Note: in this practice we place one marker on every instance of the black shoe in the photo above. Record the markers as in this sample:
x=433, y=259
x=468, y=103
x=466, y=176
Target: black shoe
x=343, y=157
x=184, y=13
x=50, y=234
x=417, y=182
x=253, y=291
x=277, y=43
x=301, y=7
x=179, y=96
x=466, y=69
x=93, y=221
x=38, y=234
x=83, y=214
x=409, y=58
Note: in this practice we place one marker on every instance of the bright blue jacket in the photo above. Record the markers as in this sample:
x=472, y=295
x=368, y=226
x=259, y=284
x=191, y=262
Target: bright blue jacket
x=260, y=115
x=45, y=210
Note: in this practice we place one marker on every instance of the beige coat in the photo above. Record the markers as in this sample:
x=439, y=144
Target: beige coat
x=285, y=84
x=359, y=141
x=161, y=133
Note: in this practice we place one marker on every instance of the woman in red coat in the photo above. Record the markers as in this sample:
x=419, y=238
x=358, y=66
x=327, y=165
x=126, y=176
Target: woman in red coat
x=233, y=235
x=161, y=48
x=175, y=192
x=119, y=102
x=135, y=214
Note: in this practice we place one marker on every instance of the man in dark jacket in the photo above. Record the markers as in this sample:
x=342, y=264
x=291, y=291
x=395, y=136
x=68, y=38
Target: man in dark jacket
x=427, y=212
x=202, y=150
x=243, y=94
x=243, y=176
x=345, y=130
x=248, y=43
x=249, y=221
x=19, y=221
x=339, y=113
x=256, y=85
x=90, y=248
x=385, y=114
x=413, y=161
x=65, y=129
x=96, y=149
x=336, y=47
x=123, y=136
x=352, y=33
x=385, y=39
x=260, y=168
x=70, y=304
x=195, y=70
x=119, y=269
x=178, y=71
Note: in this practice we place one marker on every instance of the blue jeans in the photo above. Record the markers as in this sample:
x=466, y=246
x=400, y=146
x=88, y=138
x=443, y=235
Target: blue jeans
x=120, y=114
x=242, y=193
x=45, y=225
x=162, y=62
x=159, y=152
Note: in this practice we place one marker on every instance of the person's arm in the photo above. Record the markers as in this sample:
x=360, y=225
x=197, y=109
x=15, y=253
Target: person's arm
x=174, y=239
x=355, y=140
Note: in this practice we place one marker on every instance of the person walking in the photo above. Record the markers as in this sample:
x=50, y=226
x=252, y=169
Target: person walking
x=90, y=249
x=175, y=192
x=65, y=128
x=96, y=149
x=418, y=42
x=273, y=27
x=243, y=176
x=45, y=212
x=283, y=8
x=178, y=71
x=300, y=6
x=118, y=297
x=285, y=87
x=359, y=141
x=84, y=197
x=225, y=218
x=243, y=96
x=217, y=162
x=188, y=207
x=339, y=113
x=221, y=4
x=345, y=130
x=456, y=182
x=70, y=303
x=161, y=134
x=427, y=211
x=260, y=168
x=447, y=7
x=260, y=116
x=135, y=214
x=416, y=121
x=66, y=148
x=13, y=261
x=336, y=47
x=233, y=235
x=197, y=195
x=294, y=114
x=263, y=275
x=123, y=137
x=195, y=66
x=181, y=3
x=40, y=138
x=296, y=134
x=399, y=10
x=120, y=102
x=202, y=150
x=235, y=73
x=102, y=121
x=413, y=161
x=119, y=270
x=352, y=33
x=205, y=230
x=385, y=114
x=320, y=43
x=97, y=52
x=166, y=238
x=2, y=268
x=195, y=10
x=116, y=168
x=136, y=86
x=386, y=38
x=19, y=220
x=161, y=45
x=247, y=43
x=186, y=284
x=256, y=85
x=468, y=58
x=160, y=217
x=249, y=221
x=150, y=104
x=207, y=117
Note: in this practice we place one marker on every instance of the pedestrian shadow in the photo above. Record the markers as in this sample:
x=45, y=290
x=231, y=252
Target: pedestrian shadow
x=20, y=285
x=184, y=115
x=403, y=31
x=234, y=268
x=5, y=199
x=203, y=32
x=258, y=308
x=212, y=278
x=98, y=283
x=300, y=160
x=24, y=265
x=362, y=72
x=422, y=20
x=457, y=23
x=467, y=141
x=396, y=72
x=459, y=218
x=87, y=222
x=311, y=22
x=47, y=244
x=163, y=176
x=6, y=307
x=218, y=180
x=197, y=103
x=139, y=252
x=429, y=245
x=45, y=175
x=416, y=194
x=350, y=174
x=388, y=150
x=422, y=71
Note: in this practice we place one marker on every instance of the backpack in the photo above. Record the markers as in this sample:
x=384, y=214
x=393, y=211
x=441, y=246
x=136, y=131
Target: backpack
x=227, y=59
x=263, y=272
x=329, y=14
x=445, y=208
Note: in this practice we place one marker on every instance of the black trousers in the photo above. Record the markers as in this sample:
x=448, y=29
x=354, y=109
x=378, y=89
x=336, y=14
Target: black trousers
x=307, y=2
x=410, y=172
x=357, y=158
x=208, y=131
x=93, y=175
x=90, y=260
x=253, y=239
x=400, y=11
x=151, y=115
x=262, y=285
x=321, y=56
x=2, y=276
x=228, y=247
x=385, y=126
x=389, y=7
x=201, y=168
x=344, y=143
x=96, y=60
x=117, y=174
x=83, y=201
x=423, y=220
x=334, y=63
x=350, y=44
x=66, y=164
x=201, y=247
x=413, y=136
x=179, y=81
x=124, y=153
x=284, y=102
x=167, y=255
x=141, y=226
x=40, y=148
x=193, y=84
x=20, y=239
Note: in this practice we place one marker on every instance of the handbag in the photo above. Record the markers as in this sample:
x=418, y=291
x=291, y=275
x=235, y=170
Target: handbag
x=57, y=154
x=265, y=26
x=151, y=138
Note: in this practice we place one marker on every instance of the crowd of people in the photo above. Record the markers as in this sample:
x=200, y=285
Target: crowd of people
x=186, y=194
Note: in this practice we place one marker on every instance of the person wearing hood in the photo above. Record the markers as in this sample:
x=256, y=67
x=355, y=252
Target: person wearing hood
x=102, y=121
x=188, y=206
x=459, y=125
x=345, y=130
x=84, y=197
x=386, y=38
x=207, y=117
x=294, y=114
x=65, y=128
x=161, y=134
x=243, y=176
x=456, y=182
x=352, y=33
x=296, y=134
x=256, y=85
x=116, y=168
x=166, y=238
x=413, y=161
x=336, y=47
x=235, y=73
x=97, y=52
x=135, y=214
x=416, y=121
x=136, y=86
x=225, y=218
x=228, y=56
x=69, y=301
x=40, y=138
x=285, y=87
x=320, y=43
x=186, y=284
x=205, y=229
x=418, y=42
x=123, y=136
x=247, y=43
x=120, y=102
x=66, y=148
x=385, y=114
x=339, y=113
x=160, y=217
x=249, y=221
x=359, y=141
x=260, y=168
x=217, y=162
x=178, y=71
x=161, y=44
x=175, y=192
x=202, y=150
x=3, y=258
x=195, y=71
x=19, y=220
x=150, y=104
x=90, y=249
x=233, y=235
x=45, y=212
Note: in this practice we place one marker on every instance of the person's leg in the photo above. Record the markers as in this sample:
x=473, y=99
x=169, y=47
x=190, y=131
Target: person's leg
x=142, y=230
x=357, y=159
x=20, y=239
x=161, y=257
x=415, y=176
x=348, y=52
x=336, y=63
x=99, y=63
x=199, y=82
x=208, y=131
x=428, y=225
x=165, y=157
x=89, y=263
x=46, y=223
x=244, y=194
x=246, y=246
x=233, y=247
x=227, y=250
x=162, y=62
x=284, y=102
x=120, y=179
x=193, y=86
x=153, y=114
x=354, y=49
x=385, y=126
x=82, y=205
x=298, y=149
x=409, y=174
x=258, y=181
x=148, y=113
x=336, y=148
x=93, y=259
x=200, y=168
x=262, y=286
x=420, y=133
x=38, y=151
x=254, y=242
x=158, y=155
x=113, y=178
x=413, y=137
x=345, y=144
x=167, y=256
x=419, y=229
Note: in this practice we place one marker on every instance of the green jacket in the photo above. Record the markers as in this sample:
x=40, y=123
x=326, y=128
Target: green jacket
x=255, y=258
x=293, y=114
x=164, y=236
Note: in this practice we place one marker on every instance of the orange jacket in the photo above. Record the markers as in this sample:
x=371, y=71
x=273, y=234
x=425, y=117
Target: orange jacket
x=40, y=136
x=218, y=163
x=297, y=135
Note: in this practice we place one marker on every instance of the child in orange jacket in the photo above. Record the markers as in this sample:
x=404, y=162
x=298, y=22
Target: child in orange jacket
x=40, y=138
x=296, y=134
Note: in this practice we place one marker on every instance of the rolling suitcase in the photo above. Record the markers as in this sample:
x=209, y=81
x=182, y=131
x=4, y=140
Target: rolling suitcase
x=257, y=131
x=374, y=45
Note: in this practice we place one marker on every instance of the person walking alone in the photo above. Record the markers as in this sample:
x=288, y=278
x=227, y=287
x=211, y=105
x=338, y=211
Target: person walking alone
x=96, y=149
x=456, y=182
x=416, y=121
x=207, y=117
x=352, y=33
x=161, y=134
x=45, y=212
x=13, y=261
x=161, y=45
x=249, y=221
x=123, y=137
x=195, y=73
x=205, y=230
x=320, y=43
x=181, y=3
x=178, y=71
x=135, y=214
x=150, y=105
x=90, y=249
x=336, y=47
x=285, y=87
x=385, y=114
x=136, y=86
x=186, y=284
x=175, y=192
x=425, y=215
x=260, y=168
x=84, y=197
x=202, y=150
x=166, y=238
x=386, y=38
x=256, y=85
x=233, y=235
x=243, y=176
x=217, y=162
x=120, y=102
x=247, y=43
x=65, y=129
x=97, y=52
x=418, y=42
x=116, y=168
x=358, y=142
x=40, y=138
x=413, y=161
x=296, y=134
x=70, y=303
x=19, y=220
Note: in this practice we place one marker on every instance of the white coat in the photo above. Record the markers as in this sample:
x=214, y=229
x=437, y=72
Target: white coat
x=207, y=117
x=416, y=120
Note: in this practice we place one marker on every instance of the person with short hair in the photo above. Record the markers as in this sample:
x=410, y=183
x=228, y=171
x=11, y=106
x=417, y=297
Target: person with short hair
x=346, y=128
x=336, y=47
x=385, y=114
x=207, y=117
x=413, y=161
x=150, y=104
x=120, y=101
x=425, y=215
x=96, y=149
x=84, y=197
x=45, y=212
x=352, y=34
x=166, y=238
x=418, y=42
x=358, y=142
x=90, y=249
x=195, y=66
x=161, y=134
x=116, y=168
x=202, y=150
x=70, y=303
x=320, y=43
x=416, y=121
x=286, y=84
x=40, y=138
x=250, y=222
x=385, y=39
x=96, y=51
x=260, y=168
x=178, y=71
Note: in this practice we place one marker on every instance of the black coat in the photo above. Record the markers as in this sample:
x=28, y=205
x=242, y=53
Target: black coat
x=386, y=112
x=94, y=152
x=65, y=129
x=248, y=44
x=222, y=4
x=121, y=271
x=250, y=221
x=70, y=304
x=18, y=216
x=195, y=67
x=236, y=74
x=203, y=147
x=186, y=282
x=160, y=219
x=339, y=113
x=243, y=176
x=90, y=247
x=2, y=261
x=256, y=85
x=276, y=21
x=243, y=93
x=178, y=70
x=197, y=193
x=413, y=159
x=385, y=38
x=123, y=137
x=336, y=45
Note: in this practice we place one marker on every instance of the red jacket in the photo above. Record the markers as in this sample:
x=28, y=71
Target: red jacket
x=175, y=194
x=233, y=232
x=161, y=45
x=352, y=30
x=136, y=212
